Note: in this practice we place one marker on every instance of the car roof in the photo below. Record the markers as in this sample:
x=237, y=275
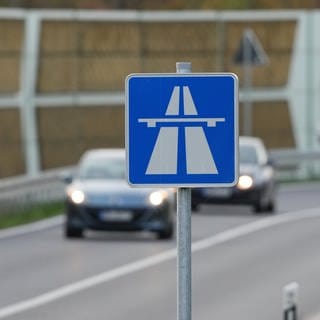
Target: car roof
x=103, y=152
x=258, y=144
x=249, y=140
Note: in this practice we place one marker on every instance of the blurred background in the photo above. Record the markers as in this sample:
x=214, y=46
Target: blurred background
x=62, y=91
x=63, y=70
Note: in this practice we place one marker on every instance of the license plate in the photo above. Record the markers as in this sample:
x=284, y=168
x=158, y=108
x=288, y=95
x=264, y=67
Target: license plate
x=115, y=216
x=218, y=192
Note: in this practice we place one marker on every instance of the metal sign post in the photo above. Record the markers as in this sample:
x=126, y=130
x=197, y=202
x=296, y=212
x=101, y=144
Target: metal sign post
x=247, y=83
x=250, y=53
x=184, y=238
x=188, y=125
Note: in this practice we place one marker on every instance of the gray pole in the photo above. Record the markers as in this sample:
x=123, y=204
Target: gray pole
x=247, y=84
x=184, y=238
x=28, y=89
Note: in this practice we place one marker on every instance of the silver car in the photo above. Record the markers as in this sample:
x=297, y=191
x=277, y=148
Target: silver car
x=99, y=198
x=256, y=185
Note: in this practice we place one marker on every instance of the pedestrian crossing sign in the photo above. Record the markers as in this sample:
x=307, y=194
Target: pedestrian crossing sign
x=182, y=129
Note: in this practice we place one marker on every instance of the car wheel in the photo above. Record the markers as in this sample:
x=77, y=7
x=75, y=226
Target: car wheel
x=271, y=207
x=166, y=233
x=71, y=232
x=258, y=208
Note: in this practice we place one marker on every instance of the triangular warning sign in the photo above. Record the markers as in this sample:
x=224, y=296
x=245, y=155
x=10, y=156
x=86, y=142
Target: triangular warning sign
x=250, y=50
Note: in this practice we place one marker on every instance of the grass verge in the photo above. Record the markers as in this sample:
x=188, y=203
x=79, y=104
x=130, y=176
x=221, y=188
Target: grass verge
x=31, y=214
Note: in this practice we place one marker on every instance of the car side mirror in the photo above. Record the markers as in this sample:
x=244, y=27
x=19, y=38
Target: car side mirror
x=66, y=177
x=270, y=162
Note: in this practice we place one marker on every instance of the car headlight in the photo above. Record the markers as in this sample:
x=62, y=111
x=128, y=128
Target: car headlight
x=245, y=182
x=76, y=196
x=156, y=198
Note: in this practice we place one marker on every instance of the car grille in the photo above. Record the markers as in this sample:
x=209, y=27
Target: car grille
x=95, y=213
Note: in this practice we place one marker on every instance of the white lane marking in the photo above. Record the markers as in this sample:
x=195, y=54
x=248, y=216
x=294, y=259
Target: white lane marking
x=154, y=260
x=31, y=227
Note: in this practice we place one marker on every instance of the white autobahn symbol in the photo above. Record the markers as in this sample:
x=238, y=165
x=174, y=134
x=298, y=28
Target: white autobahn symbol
x=164, y=157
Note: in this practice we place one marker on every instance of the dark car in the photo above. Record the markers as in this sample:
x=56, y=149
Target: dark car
x=256, y=185
x=99, y=198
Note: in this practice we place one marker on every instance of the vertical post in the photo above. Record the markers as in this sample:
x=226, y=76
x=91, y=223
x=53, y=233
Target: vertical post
x=290, y=301
x=247, y=81
x=184, y=238
x=310, y=93
x=28, y=80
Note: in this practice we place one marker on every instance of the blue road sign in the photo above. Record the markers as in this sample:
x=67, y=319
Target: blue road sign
x=182, y=129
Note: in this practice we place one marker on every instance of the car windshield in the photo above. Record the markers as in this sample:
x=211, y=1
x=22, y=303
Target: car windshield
x=248, y=154
x=102, y=168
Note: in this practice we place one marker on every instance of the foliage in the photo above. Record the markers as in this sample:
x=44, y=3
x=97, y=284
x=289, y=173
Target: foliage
x=164, y=4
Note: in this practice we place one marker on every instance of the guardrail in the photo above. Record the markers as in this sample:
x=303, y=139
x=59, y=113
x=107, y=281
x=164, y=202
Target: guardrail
x=296, y=165
x=48, y=186
x=23, y=191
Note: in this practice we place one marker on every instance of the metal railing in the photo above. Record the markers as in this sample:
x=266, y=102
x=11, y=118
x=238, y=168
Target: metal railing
x=21, y=192
x=296, y=165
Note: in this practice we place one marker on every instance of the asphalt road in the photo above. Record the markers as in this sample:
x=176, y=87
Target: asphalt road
x=240, y=264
